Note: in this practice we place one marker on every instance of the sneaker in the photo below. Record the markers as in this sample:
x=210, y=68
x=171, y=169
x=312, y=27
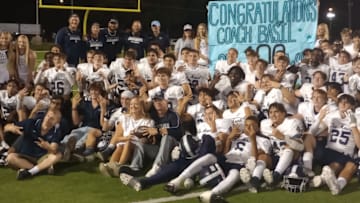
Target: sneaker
x=105, y=170
x=88, y=152
x=189, y=183
x=316, y=182
x=51, y=170
x=276, y=178
x=171, y=188
x=152, y=171
x=69, y=148
x=245, y=175
x=208, y=197
x=309, y=173
x=23, y=174
x=254, y=185
x=131, y=171
x=130, y=181
x=268, y=177
x=330, y=180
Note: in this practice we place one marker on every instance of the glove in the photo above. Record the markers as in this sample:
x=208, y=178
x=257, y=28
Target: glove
x=350, y=115
x=251, y=164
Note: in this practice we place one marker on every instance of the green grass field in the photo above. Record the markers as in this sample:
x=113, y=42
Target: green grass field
x=82, y=182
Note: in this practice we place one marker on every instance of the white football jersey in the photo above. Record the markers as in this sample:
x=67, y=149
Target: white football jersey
x=340, y=136
x=8, y=104
x=197, y=111
x=306, y=109
x=265, y=100
x=307, y=89
x=116, y=76
x=289, y=127
x=172, y=94
x=240, y=150
x=115, y=117
x=250, y=76
x=222, y=126
x=307, y=72
x=60, y=82
x=337, y=72
x=223, y=67
x=145, y=71
x=91, y=76
x=197, y=76
x=238, y=117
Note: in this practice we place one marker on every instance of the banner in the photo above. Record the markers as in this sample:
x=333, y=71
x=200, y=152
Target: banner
x=263, y=25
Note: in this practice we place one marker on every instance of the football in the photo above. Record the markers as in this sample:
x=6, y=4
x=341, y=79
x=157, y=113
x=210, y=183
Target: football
x=140, y=131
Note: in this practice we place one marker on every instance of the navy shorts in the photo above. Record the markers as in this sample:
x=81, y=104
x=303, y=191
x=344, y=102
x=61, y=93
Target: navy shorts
x=226, y=166
x=331, y=156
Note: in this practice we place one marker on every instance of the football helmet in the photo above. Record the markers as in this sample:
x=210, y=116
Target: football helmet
x=189, y=146
x=211, y=175
x=104, y=140
x=295, y=179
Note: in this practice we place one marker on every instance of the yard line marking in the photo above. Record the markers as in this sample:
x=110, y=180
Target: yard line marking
x=186, y=196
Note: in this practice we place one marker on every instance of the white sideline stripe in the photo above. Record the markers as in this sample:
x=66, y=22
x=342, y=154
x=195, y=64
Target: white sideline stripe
x=187, y=196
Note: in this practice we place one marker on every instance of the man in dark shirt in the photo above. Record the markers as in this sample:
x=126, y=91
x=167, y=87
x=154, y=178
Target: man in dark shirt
x=136, y=40
x=41, y=137
x=113, y=40
x=159, y=37
x=70, y=40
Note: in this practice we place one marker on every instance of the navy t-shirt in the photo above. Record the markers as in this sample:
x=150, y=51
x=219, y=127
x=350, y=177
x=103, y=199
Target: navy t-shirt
x=71, y=44
x=32, y=132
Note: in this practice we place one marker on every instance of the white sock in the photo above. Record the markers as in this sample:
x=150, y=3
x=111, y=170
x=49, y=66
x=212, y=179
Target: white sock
x=341, y=182
x=284, y=161
x=228, y=183
x=308, y=159
x=34, y=170
x=259, y=169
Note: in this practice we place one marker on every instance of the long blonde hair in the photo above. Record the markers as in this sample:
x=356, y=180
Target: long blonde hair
x=27, y=49
x=198, y=38
x=326, y=28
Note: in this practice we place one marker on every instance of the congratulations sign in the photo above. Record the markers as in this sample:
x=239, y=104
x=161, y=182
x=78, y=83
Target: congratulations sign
x=263, y=25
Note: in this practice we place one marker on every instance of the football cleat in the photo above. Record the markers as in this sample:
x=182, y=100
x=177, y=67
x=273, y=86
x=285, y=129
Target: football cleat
x=245, y=175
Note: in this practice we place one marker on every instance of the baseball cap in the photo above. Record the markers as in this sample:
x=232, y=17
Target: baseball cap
x=155, y=23
x=127, y=94
x=187, y=27
x=113, y=20
x=158, y=96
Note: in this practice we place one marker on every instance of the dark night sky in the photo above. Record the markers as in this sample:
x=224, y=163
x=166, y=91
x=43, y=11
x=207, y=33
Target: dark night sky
x=172, y=14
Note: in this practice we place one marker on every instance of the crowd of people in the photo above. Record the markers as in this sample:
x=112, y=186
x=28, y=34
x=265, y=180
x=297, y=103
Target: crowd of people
x=152, y=115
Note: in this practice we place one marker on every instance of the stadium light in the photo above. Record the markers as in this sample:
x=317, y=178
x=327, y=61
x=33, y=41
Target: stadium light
x=330, y=15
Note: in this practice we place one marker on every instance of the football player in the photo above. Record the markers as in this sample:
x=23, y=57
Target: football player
x=343, y=138
x=286, y=138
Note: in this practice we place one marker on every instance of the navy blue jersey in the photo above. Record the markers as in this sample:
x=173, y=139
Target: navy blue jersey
x=170, y=121
x=32, y=133
x=71, y=44
x=162, y=40
x=137, y=42
x=113, y=43
x=94, y=43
